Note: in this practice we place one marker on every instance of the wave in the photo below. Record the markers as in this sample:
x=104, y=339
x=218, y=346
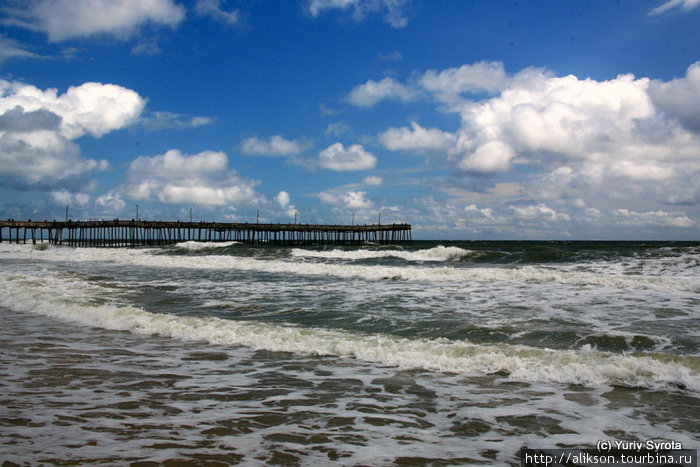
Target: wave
x=439, y=253
x=196, y=246
x=70, y=300
x=527, y=274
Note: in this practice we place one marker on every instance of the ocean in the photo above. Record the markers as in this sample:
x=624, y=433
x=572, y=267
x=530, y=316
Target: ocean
x=435, y=353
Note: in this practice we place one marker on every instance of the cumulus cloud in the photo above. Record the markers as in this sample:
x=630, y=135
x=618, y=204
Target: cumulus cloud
x=684, y=5
x=284, y=201
x=493, y=156
x=587, y=146
x=348, y=199
x=540, y=211
x=565, y=116
x=177, y=178
x=607, y=133
x=480, y=77
x=395, y=11
x=68, y=19
x=91, y=108
x=680, y=98
x=416, y=138
x=110, y=204
x=446, y=86
x=65, y=197
x=17, y=120
x=625, y=127
x=337, y=157
x=37, y=128
x=275, y=146
x=212, y=9
x=482, y=212
x=371, y=92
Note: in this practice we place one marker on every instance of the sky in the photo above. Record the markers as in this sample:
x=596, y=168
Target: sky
x=469, y=119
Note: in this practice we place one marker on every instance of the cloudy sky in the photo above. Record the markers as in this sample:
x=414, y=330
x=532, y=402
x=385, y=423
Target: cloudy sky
x=527, y=119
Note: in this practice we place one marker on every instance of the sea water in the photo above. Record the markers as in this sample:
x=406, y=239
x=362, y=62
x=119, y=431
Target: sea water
x=452, y=353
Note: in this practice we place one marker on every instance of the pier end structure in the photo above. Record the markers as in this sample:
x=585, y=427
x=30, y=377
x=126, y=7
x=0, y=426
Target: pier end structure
x=133, y=233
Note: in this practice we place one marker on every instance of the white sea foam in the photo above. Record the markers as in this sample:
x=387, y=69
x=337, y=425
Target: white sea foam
x=194, y=246
x=488, y=275
x=71, y=300
x=439, y=253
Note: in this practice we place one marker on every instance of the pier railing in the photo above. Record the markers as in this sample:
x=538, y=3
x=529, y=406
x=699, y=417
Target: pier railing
x=131, y=233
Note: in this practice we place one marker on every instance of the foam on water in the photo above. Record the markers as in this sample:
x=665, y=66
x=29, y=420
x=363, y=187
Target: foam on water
x=75, y=301
x=196, y=246
x=439, y=253
x=86, y=396
x=296, y=266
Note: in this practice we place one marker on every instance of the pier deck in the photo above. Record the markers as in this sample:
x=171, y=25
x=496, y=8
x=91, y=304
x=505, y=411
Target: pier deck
x=132, y=233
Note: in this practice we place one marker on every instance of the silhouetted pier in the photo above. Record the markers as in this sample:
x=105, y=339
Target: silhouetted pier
x=132, y=233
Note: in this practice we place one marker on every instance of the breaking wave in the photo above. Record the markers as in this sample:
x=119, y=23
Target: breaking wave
x=75, y=301
x=371, y=272
x=196, y=246
x=438, y=254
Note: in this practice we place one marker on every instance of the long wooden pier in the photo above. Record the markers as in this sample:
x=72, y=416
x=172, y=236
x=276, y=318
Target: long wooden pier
x=132, y=233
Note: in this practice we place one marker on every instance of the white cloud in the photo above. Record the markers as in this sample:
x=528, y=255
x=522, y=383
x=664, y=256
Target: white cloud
x=601, y=130
x=368, y=94
x=394, y=10
x=177, y=178
x=36, y=129
x=680, y=98
x=685, y=5
x=337, y=157
x=67, y=19
x=483, y=212
x=338, y=129
x=641, y=171
x=560, y=115
x=623, y=128
x=540, y=211
x=91, y=108
x=10, y=48
x=494, y=156
x=64, y=197
x=110, y=204
x=652, y=218
x=416, y=138
x=284, y=201
x=212, y=9
x=372, y=180
x=349, y=199
x=447, y=84
x=161, y=120
x=582, y=148
x=275, y=146
x=146, y=46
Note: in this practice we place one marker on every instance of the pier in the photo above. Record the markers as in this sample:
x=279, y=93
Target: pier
x=133, y=233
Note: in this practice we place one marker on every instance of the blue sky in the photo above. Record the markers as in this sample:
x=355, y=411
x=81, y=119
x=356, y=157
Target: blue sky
x=468, y=119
